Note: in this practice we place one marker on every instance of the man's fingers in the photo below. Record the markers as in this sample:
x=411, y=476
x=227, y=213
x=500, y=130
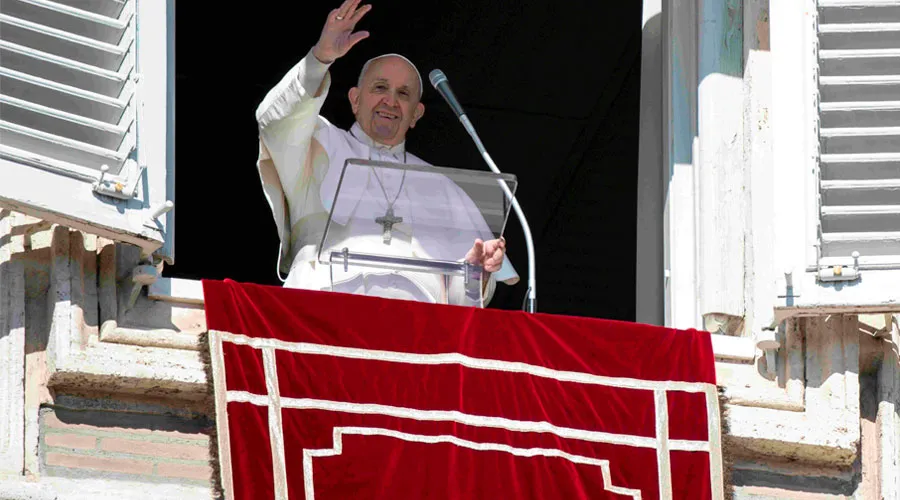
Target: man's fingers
x=488, y=254
x=493, y=246
x=360, y=12
x=493, y=258
x=493, y=264
x=346, y=9
x=356, y=37
x=477, y=252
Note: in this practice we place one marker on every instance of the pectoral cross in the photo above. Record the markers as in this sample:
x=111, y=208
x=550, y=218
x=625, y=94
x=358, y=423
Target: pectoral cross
x=387, y=222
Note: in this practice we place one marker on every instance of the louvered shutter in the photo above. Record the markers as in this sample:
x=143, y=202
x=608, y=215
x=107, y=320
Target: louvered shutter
x=859, y=116
x=85, y=103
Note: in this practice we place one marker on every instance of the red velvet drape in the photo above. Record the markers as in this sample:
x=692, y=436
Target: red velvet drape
x=403, y=400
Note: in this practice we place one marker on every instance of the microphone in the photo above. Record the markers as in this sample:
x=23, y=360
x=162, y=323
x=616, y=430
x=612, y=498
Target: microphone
x=439, y=82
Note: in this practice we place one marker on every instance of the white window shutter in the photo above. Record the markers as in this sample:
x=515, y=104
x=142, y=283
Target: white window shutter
x=859, y=110
x=86, y=100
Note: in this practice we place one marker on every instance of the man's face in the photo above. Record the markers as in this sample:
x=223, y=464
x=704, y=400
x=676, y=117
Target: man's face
x=386, y=104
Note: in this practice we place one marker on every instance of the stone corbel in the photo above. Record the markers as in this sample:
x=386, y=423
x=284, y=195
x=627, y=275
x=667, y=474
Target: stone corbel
x=129, y=319
x=144, y=274
x=150, y=350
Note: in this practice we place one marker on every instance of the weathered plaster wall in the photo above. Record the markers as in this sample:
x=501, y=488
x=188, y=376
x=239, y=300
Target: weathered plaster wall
x=721, y=200
x=12, y=353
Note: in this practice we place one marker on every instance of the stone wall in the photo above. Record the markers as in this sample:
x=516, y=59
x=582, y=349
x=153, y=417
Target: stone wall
x=823, y=423
x=102, y=393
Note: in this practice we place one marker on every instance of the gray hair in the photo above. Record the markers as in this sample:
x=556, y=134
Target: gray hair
x=368, y=63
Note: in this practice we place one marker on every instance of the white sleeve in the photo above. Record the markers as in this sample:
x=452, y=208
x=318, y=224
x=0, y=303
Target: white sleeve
x=489, y=289
x=288, y=117
x=298, y=87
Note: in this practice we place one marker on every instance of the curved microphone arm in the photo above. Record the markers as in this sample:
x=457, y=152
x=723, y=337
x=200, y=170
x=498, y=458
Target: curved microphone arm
x=531, y=293
x=439, y=80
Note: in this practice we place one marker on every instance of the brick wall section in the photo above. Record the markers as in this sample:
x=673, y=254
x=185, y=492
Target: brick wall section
x=124, y=445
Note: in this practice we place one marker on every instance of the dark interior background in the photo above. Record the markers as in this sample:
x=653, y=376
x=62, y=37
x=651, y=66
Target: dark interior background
x=552, y=87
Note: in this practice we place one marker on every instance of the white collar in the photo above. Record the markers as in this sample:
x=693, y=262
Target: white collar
x=361, y=136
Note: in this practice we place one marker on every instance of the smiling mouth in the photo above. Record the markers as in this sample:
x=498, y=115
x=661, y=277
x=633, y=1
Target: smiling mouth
x=387, y=116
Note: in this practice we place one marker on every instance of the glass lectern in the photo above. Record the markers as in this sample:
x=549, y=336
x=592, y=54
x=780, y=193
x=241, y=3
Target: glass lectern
x=403, y=231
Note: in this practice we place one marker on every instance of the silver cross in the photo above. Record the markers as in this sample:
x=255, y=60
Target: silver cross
x=387, y=222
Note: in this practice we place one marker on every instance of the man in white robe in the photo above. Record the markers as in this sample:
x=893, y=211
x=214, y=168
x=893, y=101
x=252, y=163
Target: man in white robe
x=300, y=161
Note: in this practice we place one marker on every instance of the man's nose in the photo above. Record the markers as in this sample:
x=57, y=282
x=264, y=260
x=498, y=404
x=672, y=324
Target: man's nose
x=390, y=99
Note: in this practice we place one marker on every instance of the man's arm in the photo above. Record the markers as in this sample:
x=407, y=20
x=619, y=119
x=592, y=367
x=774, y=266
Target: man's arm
x=287, y=117
x=303, y=81
x=300, y=86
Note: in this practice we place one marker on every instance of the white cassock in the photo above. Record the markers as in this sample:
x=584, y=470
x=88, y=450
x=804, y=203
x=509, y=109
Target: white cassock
x=301, y=156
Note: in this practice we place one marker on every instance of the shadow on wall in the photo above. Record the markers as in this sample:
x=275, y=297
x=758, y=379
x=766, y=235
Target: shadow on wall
x=649, y=296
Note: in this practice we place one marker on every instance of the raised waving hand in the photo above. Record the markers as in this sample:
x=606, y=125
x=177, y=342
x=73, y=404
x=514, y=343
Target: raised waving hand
x=337, y=36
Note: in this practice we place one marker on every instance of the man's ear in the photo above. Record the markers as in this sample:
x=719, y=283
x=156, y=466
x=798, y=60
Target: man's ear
x=353, y=95
x=417, y=115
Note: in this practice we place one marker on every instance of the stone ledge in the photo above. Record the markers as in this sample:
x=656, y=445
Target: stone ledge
x=121, y=489
x=22, y=490
x=730, y=348
x=743, y=386
x=146, y=371
x=156, y=337
x=810, y=439
x=771, y=399
x=177, y=290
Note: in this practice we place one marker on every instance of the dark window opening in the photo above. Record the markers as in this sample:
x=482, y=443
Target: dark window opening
x=552, y=87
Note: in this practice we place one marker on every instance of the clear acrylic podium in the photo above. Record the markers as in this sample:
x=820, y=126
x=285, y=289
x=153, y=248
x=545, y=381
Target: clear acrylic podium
x=403, y=231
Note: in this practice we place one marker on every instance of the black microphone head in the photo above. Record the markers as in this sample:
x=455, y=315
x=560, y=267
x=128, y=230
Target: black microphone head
x=437, y=77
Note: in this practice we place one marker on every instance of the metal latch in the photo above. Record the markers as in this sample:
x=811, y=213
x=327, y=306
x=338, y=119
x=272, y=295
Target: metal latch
x=841, y=273
x=116, y=188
